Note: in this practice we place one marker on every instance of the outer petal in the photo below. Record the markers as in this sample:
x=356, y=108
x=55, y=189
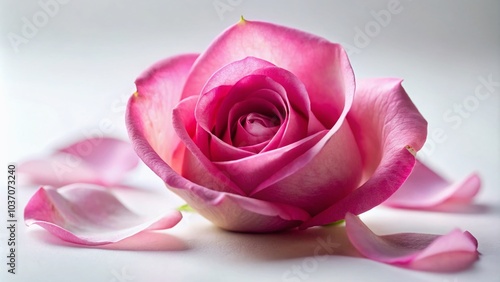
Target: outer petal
x=408, y=248
x=89, y=215
x=158, y=92
x=424, y=188
x=240, y=213
x=322, y=66
x=328, y=177
x=224, y=209
x=388, y=129
x=102, y=161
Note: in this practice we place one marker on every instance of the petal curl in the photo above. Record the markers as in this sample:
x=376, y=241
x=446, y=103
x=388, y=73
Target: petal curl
x=158, y=92
x=89, y=215
x=389, y=130
x=103, y=161
x=424, y=188
x=409, y=249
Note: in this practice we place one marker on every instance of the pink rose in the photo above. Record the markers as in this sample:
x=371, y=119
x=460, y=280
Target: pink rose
x=268, y=130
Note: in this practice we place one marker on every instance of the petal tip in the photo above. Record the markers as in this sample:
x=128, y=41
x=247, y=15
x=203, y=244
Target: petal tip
x=89, y=215
x=411, y=150
x=242, y=20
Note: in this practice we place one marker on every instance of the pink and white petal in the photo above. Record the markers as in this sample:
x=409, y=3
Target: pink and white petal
x=89, y=215
x=109, y=157
x=233, y=71
x=58, y=170
x=249, y=173
x=239, y=213
x=104, y=161
x=407, y=249
x=389, y=130
x=322, y=66
x=424, y=188
x=332, y=174
x=158, y=92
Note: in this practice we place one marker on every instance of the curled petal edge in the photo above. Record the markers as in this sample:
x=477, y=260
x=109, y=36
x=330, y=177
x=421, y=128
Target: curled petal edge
x=89, y=215
x=102, y=161
x=457, y=248
x=426, y=189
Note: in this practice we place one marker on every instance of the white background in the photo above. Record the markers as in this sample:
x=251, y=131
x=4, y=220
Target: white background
x=78, y=69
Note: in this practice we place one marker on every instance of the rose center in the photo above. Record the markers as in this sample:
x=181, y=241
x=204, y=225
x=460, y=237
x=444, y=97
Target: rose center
x=261, y=125
x=255, y=128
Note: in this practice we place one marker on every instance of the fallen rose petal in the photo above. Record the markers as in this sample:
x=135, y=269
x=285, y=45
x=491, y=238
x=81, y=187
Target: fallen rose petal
x=102, y=161
x=425, y=189
x=408, y=249
x=89, y=215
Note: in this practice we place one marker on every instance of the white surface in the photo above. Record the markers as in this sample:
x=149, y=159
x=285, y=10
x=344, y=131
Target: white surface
x=78, y=70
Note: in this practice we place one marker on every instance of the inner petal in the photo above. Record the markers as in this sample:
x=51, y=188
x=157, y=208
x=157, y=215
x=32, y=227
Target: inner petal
x=257, y=124
x=250, y=88
x=241, y=109
x=255, y=128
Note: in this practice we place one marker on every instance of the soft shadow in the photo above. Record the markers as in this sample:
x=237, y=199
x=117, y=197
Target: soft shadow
x=314, y=242
x=143, y=241
x=291, y=244
x=149, y=241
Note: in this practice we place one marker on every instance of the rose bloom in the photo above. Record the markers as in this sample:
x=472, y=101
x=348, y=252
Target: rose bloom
x=269, y=130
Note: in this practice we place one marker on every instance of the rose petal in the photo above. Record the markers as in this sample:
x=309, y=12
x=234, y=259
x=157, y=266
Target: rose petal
x=388, y=129
x=407, y=248
x=240, y=213
x=424, y=188
x=249, y=173
x=318, y=63
x=328, y=177
x=231, y=73
x=254, y=105
x=102, y=161
x=89, y=215
x=158, y=92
